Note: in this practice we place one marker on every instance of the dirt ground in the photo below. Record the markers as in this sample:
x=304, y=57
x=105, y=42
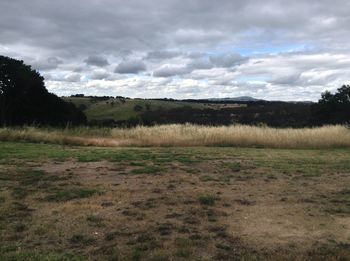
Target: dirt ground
x=219, y=209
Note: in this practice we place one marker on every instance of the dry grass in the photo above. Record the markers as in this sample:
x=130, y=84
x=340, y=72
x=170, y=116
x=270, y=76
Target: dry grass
x=206, y=203
x=188, y=135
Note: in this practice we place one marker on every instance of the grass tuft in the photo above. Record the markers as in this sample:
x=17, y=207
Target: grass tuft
x=208, y=200
x=69, y=194
x=147, y=170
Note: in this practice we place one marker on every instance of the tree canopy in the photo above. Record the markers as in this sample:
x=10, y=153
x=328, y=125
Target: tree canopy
x=24, y=98
x=333, y=108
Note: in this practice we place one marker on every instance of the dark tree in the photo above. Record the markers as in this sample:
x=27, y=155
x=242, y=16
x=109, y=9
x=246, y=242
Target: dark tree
x=25, y=100
x=333, y=108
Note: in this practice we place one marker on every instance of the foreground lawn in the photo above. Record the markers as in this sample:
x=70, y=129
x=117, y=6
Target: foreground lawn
x=89, y=203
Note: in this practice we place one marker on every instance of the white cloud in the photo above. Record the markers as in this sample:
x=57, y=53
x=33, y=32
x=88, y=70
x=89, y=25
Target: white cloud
x=231, y=48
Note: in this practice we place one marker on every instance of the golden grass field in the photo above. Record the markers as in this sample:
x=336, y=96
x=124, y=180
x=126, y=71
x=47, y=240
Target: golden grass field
x=187, y=135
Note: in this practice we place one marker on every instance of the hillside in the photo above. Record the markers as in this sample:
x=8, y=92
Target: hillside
x=121, y=109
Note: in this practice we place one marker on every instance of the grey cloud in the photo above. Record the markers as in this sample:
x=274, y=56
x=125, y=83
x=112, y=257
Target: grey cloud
x=72, y=77
x=46, y=64
x=227, y=60
x=169, y=70
x=201, y=63
x=130, y=67
x=161, y=55
x=286, y=79
x=82, y=27
x=97, y=61
x=100, y=75
x=172, y=38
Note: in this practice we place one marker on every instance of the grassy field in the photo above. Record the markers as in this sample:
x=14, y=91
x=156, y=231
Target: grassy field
x=62, y=202
x=187, y=135
x=120, y=109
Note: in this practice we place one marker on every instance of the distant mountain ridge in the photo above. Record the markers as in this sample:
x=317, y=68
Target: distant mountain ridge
x=240, y=99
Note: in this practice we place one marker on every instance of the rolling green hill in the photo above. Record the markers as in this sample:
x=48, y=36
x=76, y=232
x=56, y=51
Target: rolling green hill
x=120, y=109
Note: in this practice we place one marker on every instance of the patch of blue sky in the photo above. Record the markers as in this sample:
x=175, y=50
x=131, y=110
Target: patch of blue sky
x=86, y=78
x=253, y=79
x=249, y=51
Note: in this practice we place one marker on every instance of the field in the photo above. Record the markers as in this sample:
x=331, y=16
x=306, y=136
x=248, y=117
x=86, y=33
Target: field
x=64, y=202
x=120, y=109
x=187, y=135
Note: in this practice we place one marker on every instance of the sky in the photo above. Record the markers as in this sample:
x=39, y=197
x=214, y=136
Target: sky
x=271, y=49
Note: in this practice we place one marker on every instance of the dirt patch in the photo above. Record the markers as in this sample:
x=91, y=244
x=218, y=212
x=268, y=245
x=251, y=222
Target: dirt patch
x=220, y=209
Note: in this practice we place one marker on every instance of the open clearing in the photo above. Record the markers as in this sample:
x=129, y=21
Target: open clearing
x=196, y=203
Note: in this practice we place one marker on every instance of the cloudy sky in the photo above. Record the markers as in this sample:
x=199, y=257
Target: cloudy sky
x=278, y=50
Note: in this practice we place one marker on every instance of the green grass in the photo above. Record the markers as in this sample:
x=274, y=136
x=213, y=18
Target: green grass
x=208, y=200
x=71, y=193
x=340, y=202
x=147, y=170
x=117, y=110
x=33, y=256
x=233, y=166
x=308, y=163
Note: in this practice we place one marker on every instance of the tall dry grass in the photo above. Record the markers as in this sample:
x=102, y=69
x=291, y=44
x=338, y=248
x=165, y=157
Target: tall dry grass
x=188, y=135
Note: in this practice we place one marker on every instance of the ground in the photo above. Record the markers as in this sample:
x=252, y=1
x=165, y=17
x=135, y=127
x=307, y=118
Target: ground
x=201, y=203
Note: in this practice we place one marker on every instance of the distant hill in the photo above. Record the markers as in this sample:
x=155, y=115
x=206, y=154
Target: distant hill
x=238, y=99
x=121, y=109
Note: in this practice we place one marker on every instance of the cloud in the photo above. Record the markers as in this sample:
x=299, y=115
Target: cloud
x=72, y=77
x=46, y=64
x=161, y=55
x=100, y=74
x=227, y=60
x=97, y=61
x=168, y=70
x=293, y=50
x=130, y=67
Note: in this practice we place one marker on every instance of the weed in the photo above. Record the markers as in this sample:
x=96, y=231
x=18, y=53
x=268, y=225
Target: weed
x=223, y=246
x=208, y=200
x=136, y=255
x=95, y=220
x=233, y=166
x=80, y=239
x=20, y=227
x=207, y=178
x=147, y=170
x=165, y=229
x=184, y=247
x=19, y=192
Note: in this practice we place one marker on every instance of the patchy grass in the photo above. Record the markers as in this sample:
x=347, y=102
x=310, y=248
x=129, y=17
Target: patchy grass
x=71, y=193
x=32, y=256
x=214, y=203
x=338, y=202
x=208, y=200
x=147, y=170
x=80, y=239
